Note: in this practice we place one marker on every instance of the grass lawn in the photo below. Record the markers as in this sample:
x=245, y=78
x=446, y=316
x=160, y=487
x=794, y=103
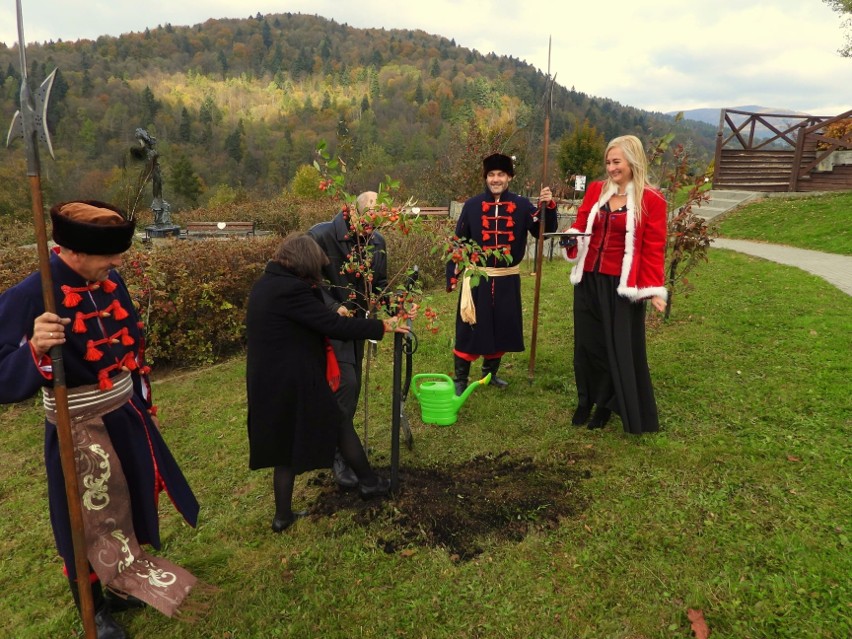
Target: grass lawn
x=682, y=194
x=820, y=223
x=739, y=507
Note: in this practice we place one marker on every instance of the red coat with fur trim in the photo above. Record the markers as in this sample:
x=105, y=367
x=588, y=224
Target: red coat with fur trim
x=618, y=245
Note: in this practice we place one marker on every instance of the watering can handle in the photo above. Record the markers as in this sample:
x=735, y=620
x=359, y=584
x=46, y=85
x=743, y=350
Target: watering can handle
x=414, y=387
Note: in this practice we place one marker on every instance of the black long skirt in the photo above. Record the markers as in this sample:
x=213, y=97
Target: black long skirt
x=610, y=360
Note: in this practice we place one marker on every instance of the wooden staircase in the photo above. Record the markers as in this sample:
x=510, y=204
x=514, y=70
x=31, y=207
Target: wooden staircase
x=754, y=170
x=838, y=179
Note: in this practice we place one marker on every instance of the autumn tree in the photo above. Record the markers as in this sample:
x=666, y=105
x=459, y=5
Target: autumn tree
x=150, y=106
x=184, y=181
x=15, y=194
x=208, y=115
x=844, y=8
x=234, y=143
x=581, y=152
x=222, y=59
x=185, y=128
x=306, y=183
x=689, y=234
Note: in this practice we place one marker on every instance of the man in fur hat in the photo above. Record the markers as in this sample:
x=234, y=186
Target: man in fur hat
x=489, y=322
x=122, y=461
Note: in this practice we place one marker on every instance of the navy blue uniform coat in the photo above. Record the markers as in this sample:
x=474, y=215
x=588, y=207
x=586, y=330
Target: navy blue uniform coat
x=146, y=460
x=499, y=324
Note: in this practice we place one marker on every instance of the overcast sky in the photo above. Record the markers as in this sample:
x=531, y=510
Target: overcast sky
x=660, y=55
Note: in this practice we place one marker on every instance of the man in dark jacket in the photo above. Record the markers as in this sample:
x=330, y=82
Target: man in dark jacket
x=489, y=322
x=348, y=239
x=123, y=461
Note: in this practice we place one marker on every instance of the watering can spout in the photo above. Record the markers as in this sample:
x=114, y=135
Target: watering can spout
x=472, y=387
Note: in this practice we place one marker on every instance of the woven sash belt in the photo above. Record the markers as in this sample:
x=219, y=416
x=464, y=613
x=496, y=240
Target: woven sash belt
x=468, y=309
x=111, y=545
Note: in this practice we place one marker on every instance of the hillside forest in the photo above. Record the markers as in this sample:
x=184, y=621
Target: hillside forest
x=237, y=108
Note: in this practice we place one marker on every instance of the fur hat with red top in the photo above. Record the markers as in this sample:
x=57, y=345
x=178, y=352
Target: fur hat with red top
x=91, y=227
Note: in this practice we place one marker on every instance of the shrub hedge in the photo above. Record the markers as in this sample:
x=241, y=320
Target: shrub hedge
x=192, y=294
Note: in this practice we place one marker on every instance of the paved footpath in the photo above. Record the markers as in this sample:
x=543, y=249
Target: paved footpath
x=835, y=269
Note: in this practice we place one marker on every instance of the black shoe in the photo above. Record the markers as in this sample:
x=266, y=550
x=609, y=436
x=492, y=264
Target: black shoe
x=344, y=476
x=498, y=382
x=106, y=626
x=380, y=489
x=600, y=418
x=119, y=602
x=492, y=366
x=581, y=415
x=281, y=523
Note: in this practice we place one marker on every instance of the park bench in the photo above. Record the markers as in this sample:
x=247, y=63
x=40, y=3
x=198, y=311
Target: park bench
x=219, y=229
x=432, y=211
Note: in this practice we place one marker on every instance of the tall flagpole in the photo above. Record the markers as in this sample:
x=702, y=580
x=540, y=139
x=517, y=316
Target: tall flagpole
x=539, y=251
x=30, y=123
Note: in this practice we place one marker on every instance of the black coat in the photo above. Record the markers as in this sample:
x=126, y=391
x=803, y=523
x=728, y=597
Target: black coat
x=293, y=417
x=337, y=243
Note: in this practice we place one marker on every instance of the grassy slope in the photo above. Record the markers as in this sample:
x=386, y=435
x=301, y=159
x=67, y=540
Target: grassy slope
x=820, y=223
x=740, y=507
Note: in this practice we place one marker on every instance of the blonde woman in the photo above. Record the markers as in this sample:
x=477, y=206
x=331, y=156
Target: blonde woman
x=618, y=261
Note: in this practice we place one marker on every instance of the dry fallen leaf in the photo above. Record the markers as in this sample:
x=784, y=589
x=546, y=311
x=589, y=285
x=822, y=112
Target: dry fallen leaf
x=792, y=458
x=699, y=626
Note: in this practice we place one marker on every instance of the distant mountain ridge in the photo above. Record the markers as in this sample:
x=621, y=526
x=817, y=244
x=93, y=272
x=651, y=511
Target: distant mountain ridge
x=711, y=115
x=238, y=107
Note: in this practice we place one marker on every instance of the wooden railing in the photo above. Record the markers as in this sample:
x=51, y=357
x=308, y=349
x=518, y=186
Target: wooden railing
x=813, y=136
x=795, y=136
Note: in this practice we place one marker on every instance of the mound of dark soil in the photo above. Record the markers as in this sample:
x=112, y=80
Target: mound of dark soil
x=459, y=508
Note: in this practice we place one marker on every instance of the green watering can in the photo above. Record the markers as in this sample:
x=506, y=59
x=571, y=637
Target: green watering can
x=439, y=403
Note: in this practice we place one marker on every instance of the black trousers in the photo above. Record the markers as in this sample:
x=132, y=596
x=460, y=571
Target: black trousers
x=610, y=359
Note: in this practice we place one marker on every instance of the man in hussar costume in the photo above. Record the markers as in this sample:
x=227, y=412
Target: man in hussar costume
x=489, y=321
x=122, y=461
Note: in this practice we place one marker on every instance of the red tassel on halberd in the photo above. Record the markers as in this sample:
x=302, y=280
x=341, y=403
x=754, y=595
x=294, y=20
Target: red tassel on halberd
x=92, y=353
x=72, y=298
